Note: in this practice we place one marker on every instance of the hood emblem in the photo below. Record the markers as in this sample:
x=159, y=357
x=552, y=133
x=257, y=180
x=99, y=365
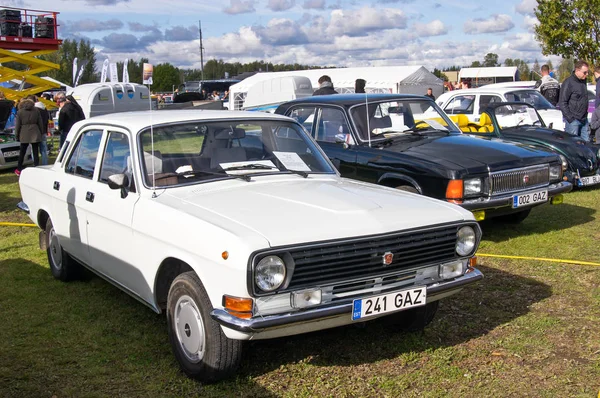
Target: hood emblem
x=525, y=179
x=387, y=258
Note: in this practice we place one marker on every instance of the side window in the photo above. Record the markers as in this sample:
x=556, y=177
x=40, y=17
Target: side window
x=305, y=116
x=461, y=104
x=485, y=100
x=116, y=158
x=331, y=123
x=83, y=158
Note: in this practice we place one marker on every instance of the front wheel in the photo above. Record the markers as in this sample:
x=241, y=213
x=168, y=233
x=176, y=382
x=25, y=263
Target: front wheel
x=199, y=345
x=414, y=319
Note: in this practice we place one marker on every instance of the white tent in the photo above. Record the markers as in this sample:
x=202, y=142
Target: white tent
x=489, y=75
x=380, y=79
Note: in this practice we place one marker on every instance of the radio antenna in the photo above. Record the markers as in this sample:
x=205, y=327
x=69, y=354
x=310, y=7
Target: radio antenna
x=367, y=113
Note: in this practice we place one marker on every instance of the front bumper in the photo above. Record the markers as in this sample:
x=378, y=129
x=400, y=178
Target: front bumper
x=261, y=324
x=506, y=201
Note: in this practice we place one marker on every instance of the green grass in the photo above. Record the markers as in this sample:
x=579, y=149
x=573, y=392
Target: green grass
x=529, y=329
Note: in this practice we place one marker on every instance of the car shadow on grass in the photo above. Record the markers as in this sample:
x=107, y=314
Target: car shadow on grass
x=499, y=298
x=542, y=219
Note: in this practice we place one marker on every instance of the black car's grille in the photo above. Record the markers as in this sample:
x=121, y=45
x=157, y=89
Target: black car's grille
x=519, y=179
x=332, y=262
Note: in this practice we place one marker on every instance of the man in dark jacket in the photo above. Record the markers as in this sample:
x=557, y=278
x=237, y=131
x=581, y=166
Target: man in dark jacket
x=549, y=87
x=325, y=86
x=70, y=113
x=573, y=102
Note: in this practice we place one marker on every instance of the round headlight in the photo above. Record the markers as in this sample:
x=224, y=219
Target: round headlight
x=565, y=162
x=466, y=241
x=269, y=273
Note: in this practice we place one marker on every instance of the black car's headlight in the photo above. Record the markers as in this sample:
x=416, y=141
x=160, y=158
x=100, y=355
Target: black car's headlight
x=565, y=162
x=466, y=241
x=555, y=172
x=269, y=273
x=472, y=186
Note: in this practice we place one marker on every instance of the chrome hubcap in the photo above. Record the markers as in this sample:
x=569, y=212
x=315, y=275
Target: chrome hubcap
x=189, y=329
x=55, y=250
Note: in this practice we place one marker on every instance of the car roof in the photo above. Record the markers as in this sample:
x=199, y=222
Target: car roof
x=135, y=121
x=353, y=99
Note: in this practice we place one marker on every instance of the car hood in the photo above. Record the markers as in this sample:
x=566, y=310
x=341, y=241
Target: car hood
x=461, y=151
x=577, y=152
x=295, y=210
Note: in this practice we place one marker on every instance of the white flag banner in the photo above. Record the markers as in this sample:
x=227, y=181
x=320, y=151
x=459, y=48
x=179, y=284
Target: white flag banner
x=74, y=70
x=125, y=71
x=80, y=73
x=104, y=71
x=114, y=74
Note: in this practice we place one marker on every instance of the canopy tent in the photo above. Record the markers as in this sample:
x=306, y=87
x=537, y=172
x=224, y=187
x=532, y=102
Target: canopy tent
x=489, y=75
x=380, y=79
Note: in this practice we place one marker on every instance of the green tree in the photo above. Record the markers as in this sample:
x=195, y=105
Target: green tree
x=476, y=64
x=565, y=69
x=509, y=62
x=65, y=56
x=569, y=28
x=438, y=73
x=165, y=77
x=490, y=60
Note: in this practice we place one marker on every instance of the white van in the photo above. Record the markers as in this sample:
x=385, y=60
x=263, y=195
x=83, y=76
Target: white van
x=101, y=98
x=267, y=95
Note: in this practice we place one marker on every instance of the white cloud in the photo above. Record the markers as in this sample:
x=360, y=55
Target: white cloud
x=529, y=23
x=240, y=7
x=314, y=4
x=526, y=7
x=495, y=24
x=361, y=21
x=281, y=32
x=521, y=42
x=280, y=5
x=245, y=41
x=433, y=28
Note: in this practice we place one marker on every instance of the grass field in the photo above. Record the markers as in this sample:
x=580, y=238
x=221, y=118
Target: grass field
x=529, y=329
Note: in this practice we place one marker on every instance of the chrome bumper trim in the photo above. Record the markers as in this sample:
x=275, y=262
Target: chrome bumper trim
x=506, y=200
x=22, y=206
x=259, y=324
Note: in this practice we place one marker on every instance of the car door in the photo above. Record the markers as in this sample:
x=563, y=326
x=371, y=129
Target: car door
x=483, y=101
x=462, y=104
x=72, y=194
x=110, y=216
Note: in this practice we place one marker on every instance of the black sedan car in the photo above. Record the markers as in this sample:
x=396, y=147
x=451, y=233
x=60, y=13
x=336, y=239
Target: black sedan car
x=520, y=122
x=408, y=142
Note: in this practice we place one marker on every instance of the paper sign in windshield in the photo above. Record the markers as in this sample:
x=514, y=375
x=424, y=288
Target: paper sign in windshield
x=532, y=115
x=247, y=167
x=291, y=161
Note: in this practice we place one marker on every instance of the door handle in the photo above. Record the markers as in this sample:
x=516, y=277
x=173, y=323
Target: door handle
x=89, y=196
x=56, y=185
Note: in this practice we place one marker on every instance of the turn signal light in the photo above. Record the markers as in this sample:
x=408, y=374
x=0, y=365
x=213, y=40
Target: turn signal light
x=473, y=262
x=454, y=191
x=238, y=304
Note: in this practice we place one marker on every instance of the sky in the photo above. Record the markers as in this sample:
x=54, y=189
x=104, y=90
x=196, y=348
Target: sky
x=354, y=33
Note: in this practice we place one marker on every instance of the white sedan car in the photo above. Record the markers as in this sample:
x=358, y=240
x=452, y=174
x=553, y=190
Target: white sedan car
x=472, y=102
x=238, y=227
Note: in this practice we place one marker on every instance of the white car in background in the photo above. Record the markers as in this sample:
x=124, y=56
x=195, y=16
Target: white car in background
x=471, y=102
x=239, y=228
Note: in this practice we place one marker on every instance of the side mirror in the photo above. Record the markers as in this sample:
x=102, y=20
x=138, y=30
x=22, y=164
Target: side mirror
x=551, y=124
x=119, y=181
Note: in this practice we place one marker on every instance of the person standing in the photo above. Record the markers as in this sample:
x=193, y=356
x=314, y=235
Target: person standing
x=6, y=107
x=359, y=86
x=597, y=76
x=549, y=86
x=325, y=86
x=430, y=94
x=70, y=113
x=573, y=102
x=28, y=130
x=43, y=143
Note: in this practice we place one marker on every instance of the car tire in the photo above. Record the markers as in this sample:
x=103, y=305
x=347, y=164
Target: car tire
x=62, y=266
x=199, y=345
x=514, y=218
x=412, y=320
x=408, y=188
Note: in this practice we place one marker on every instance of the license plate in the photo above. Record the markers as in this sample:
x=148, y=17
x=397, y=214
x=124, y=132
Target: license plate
x=591, y=180
x=10, y=154
x=531, y=198
x=364, y=308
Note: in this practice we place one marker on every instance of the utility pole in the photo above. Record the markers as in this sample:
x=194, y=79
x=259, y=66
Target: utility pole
x=201, y=51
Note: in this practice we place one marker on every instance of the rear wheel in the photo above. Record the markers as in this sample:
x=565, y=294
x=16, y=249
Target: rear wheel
x=414, y=319
x=199, y=345
x=514, y=218
x=62, y=266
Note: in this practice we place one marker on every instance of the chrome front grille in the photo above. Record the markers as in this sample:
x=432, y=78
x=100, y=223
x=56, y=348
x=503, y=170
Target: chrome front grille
x=514, y=180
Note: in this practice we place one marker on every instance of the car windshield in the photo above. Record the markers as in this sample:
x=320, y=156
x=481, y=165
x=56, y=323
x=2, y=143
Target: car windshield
x=193, y=152
x=400, y=117
x=514, y=115
x=532, y=97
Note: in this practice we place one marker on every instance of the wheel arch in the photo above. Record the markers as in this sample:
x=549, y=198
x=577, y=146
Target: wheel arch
x=393, y=180
x=42, y=218
x=168, y=270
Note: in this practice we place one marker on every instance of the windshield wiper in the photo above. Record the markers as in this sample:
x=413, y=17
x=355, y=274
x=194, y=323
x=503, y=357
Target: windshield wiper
x=258, y=166
x=415, y=131
x=192, y=172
